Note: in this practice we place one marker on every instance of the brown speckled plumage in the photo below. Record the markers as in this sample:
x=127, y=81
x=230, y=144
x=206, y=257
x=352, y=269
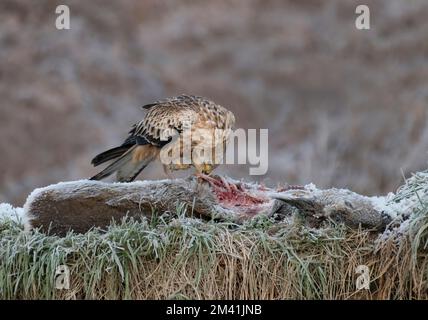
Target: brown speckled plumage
x=165, y=120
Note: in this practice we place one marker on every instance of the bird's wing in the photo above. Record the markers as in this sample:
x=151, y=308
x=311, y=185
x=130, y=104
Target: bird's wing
x=163, y=121
x=169, y=117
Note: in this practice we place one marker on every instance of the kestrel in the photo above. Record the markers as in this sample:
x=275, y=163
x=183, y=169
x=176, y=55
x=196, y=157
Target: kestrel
x=188, y=131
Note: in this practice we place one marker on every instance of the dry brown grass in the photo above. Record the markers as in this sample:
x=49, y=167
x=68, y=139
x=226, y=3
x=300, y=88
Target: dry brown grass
x=172, y=256
x=189, y=259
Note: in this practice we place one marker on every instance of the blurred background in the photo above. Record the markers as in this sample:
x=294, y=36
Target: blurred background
x=345, y=108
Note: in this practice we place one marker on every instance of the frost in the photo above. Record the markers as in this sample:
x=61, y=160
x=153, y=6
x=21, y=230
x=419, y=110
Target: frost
x=398, y=209
x=404, y=207
x=66, y=188
x=385, y=205
x=8, y=212
x=311, y=187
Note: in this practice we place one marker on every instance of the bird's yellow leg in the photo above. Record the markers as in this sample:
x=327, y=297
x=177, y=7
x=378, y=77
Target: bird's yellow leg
x=203, y=168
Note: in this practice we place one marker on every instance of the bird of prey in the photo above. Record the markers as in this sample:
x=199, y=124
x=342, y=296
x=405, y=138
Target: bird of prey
x=165, y=130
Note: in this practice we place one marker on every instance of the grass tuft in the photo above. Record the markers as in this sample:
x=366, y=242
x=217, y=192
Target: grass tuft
x=174, y=257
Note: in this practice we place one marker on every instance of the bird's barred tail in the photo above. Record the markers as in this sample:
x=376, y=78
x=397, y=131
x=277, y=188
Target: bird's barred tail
x=130, y=164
